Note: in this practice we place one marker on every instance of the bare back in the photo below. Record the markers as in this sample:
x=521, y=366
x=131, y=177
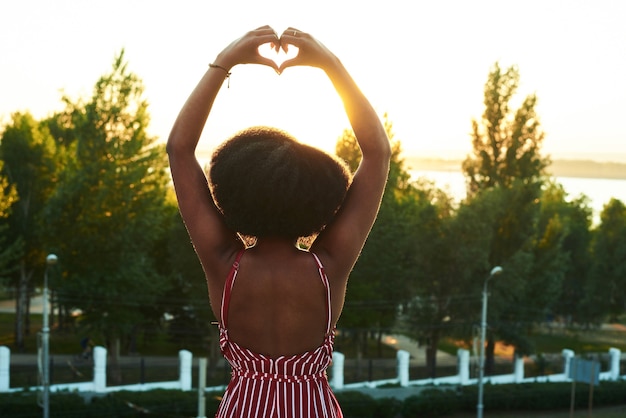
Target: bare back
x=278, y=305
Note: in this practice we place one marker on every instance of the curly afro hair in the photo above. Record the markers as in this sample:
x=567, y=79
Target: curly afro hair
x=266, y=183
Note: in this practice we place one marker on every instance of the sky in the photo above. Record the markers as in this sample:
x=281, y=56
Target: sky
x=424, y=63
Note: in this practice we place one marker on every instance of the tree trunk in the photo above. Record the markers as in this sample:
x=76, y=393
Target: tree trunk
x=116, y=370
x=358, y=337
x=431, y=354
x=379, y=343
x=132, y=340
x=29, y=294
x=21, y=306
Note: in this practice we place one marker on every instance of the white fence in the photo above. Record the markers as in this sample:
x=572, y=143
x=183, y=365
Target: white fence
x=463, y=375
x=98, y=384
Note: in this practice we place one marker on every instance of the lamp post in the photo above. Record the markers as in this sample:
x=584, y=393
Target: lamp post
x=51, y=260
x=483, y=329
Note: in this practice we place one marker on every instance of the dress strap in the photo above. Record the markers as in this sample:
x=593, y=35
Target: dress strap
x=228, y=287
x=329, y=312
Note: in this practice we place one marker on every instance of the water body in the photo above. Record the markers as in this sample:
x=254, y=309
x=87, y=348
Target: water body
x=599, y=191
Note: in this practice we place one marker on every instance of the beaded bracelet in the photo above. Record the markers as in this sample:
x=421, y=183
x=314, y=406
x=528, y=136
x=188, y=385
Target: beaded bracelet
x=223, y=69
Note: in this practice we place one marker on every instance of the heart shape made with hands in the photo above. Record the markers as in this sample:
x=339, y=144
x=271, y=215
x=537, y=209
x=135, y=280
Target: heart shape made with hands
x=280, y=56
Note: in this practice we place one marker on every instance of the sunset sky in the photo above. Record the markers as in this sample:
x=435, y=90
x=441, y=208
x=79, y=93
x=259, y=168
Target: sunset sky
x=423, y=63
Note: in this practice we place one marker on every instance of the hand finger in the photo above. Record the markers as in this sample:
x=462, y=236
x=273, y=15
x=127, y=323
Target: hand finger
x=269, y=62
x=291, y=36
x=286, y=64
x=292, y=32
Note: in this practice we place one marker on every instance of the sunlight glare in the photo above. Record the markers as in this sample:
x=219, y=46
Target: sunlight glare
x=280, y=56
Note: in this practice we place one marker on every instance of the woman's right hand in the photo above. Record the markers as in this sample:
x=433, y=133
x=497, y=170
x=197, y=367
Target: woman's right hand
x=245, y=50
x=311, y=52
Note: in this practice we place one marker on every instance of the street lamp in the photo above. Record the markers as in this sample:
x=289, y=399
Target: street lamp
x=483, y=328
x=51, y=260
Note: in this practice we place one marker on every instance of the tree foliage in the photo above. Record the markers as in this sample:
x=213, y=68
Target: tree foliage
x=507, y=164
x=574, y=216
x=10, y=251
x=108, y=208
x=506, y=142
x=378, y=282
x=609, y=263
x=29, y=167
x=451, y=243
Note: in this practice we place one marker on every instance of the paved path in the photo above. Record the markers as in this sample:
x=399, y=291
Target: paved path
x=36, y=305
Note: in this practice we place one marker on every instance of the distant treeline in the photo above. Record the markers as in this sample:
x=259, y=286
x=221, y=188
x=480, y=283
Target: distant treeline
x=558, y=168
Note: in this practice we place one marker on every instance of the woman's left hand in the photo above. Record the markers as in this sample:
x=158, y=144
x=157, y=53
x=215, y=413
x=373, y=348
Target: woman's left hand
x=245, y=50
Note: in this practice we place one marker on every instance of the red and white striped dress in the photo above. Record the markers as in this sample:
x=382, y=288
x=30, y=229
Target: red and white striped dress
x=284, y=387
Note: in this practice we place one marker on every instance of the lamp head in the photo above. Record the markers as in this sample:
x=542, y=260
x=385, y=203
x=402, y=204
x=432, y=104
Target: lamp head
x=495, y=271
x=51, y=259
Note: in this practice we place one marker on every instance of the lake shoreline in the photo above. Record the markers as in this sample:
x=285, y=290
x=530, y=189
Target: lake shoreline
x=558, y=168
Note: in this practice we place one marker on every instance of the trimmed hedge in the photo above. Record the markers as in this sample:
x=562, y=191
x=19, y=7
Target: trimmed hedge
x=430, y=402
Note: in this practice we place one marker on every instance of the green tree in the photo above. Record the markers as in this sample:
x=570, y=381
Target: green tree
x=506, y=160
x=186, y=300
x=108, y=209
x=607, y=288
x=506, y=142
x=539, y=273
x=27, y=149
x=10, y=251
x=378, y=282
x=575, y=215
x=451, y=243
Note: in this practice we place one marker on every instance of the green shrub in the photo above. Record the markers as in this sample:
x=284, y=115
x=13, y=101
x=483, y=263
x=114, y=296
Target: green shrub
x=25, y=404
x=388, y=408
x=356, y=404
x=431, y=403
x=542, y=396
x=155, y=403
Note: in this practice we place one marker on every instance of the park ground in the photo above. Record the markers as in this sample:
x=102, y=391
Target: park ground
x=549, y=340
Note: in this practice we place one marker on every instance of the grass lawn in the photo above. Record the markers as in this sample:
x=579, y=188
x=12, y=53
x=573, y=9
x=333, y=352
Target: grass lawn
x=581, y=341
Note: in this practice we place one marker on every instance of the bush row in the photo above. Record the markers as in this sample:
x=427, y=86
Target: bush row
x=428, y=402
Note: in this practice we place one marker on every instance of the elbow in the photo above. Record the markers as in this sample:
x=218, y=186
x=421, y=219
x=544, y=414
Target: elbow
x=385, y=150
x=174, y=146
x=378, y=149
x=169, y=146
x=173, y=143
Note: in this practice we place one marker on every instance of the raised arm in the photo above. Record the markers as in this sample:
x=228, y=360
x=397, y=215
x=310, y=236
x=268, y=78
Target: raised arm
x=342, y=240
x=213, y=241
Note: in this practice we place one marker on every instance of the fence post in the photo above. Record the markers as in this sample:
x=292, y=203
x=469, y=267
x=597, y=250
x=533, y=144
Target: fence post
x=568, y=355
x=338, y=360
x=616, y=355
x=99, y=369
x=201, y=387
x=463, y=364
x=184, y=359
x=403, y=357
x=5, y=364
x=518, y=368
